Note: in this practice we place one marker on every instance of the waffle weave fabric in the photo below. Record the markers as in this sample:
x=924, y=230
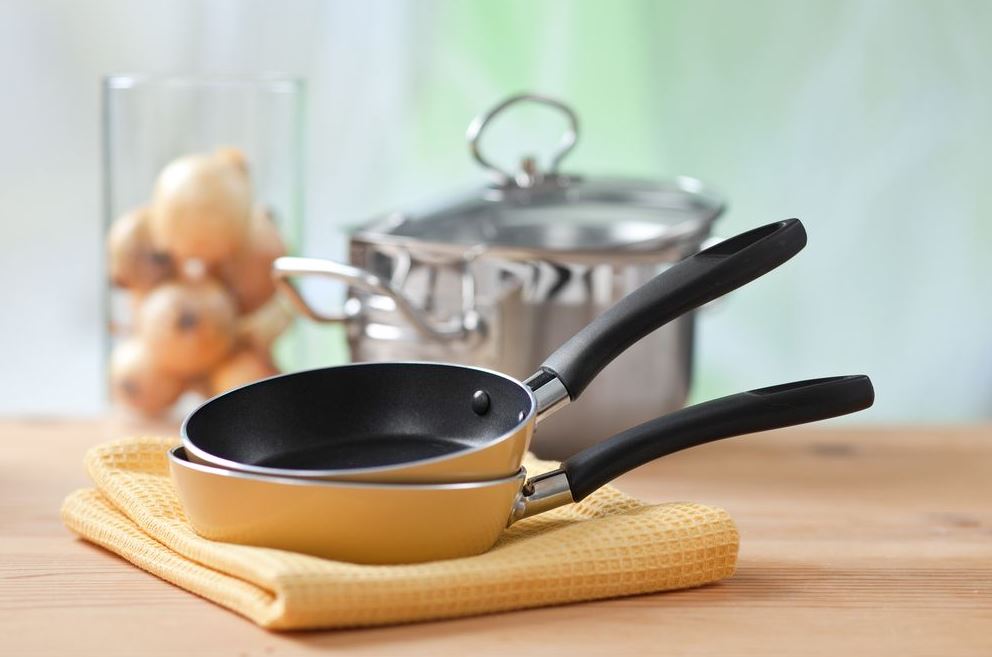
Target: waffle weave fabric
x=608, y=545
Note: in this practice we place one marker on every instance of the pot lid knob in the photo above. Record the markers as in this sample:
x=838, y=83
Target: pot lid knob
x=529, y=174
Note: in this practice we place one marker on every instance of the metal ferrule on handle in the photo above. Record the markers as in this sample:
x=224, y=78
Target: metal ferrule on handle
x=550, y=393
x=541, y=493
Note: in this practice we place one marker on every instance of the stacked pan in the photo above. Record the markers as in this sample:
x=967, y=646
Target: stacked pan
x=413, y=461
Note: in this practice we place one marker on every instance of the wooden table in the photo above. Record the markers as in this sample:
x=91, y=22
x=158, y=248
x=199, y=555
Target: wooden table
x=853, y=542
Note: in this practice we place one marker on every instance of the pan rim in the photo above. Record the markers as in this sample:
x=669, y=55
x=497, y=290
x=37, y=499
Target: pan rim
x=332, y=474
x=183, y=462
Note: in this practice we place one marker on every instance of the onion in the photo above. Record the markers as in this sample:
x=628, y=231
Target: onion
x=248, y=274
x=244, y=367
x=201, y=206
x=189, y=325
x=134, y=261
x=137, y=381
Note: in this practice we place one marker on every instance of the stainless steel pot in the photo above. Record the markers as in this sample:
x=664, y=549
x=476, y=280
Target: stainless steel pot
x=500, y=276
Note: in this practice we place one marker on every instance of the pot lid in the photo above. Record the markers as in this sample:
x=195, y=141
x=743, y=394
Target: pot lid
x=541, y=213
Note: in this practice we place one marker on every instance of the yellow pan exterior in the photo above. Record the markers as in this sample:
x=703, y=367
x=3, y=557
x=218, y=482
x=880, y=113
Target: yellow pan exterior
x=345, y=521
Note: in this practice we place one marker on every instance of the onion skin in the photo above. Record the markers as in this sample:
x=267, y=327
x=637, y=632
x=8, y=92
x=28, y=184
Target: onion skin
x=248, y=274
x=201, y=207
x=137, y=381
x=135, y=263
x=243, y=367
x=188, y=325
x=234, y=157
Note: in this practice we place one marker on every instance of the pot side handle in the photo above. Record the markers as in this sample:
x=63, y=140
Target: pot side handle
x=685, y=286
x=288, y=267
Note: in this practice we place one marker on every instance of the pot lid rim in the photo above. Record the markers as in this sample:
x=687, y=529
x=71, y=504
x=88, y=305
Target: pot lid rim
x=379, y=231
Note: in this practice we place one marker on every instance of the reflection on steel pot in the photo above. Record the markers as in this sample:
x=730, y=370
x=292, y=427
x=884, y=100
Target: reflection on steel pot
x=500, y=276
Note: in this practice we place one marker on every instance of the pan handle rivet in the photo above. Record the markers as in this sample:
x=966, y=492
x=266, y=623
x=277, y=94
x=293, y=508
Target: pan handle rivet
x=480, y=402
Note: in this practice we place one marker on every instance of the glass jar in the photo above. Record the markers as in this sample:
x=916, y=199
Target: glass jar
x=203, y=189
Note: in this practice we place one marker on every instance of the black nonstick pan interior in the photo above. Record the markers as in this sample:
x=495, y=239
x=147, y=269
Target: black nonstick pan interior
x=357, y=416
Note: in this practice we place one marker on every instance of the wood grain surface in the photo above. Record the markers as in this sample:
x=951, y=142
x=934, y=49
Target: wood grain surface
x=853, y=542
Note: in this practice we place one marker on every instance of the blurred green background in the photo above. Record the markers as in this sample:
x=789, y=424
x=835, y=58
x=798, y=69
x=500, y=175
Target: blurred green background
x=869, y=120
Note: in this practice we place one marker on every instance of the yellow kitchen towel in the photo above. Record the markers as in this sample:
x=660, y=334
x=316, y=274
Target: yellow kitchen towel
x=608, y=545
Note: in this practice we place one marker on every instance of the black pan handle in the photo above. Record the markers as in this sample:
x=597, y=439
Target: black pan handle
x=698, y=279
x=747, y=412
